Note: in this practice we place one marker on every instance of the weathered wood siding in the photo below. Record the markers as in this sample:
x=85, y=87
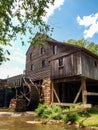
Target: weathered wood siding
x=89, y=66
x=35, y=57
x=15, y=80
x=76, y=62
x=71, y=66
x=39, y=72
x=3, y=83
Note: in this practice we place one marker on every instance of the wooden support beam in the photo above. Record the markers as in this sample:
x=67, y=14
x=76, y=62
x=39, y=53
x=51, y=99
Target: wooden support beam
x=52, y=94
x=84, y=96
x=56, y=95
x=16, y=94
x=91, y=94
x=77, y=96
x=71, y=104
x=64, y=104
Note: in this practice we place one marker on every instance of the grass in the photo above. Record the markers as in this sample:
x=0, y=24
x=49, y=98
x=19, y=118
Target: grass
x=91, y=119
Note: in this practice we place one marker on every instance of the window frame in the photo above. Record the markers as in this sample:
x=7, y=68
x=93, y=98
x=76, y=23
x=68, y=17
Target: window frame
x=43, y=63
x=32, y=67
x=42, y=50
x=30, y=56
x=54, y=49
x=95, y=64
x=61, y=62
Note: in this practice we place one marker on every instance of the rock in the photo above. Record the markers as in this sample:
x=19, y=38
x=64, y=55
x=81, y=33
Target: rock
x=34, y=122
x=18, y=105
x=31, y=113
x=69, y=123
x=6, y=113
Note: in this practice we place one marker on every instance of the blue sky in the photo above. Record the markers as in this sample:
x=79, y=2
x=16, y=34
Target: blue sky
x=71, y=19
x=66, y=25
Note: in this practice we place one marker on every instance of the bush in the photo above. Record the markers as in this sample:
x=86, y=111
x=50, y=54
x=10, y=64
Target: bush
x=56, y=112
x=94, y=110
x=52, y=112
x=47, y=112
x=44, y=111
x=40, y=109
x=72, y=117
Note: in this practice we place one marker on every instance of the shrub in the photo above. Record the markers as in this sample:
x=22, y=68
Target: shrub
x=40, y=109
x=94, y=110
x=47, y=112
x=72, y=117
x=56, y=112
x=52, y=112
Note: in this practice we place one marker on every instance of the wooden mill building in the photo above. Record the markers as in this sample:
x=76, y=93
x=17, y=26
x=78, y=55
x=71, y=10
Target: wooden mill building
x=67, y=73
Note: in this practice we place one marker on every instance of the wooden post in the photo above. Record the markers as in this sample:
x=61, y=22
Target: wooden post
x=56, y=95
x=52, y=96
x=84, y=95
x=77, y=96
x=63, y=92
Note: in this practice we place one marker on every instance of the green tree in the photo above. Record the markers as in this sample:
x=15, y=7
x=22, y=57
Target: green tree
x=28, y=13
x=86, y=44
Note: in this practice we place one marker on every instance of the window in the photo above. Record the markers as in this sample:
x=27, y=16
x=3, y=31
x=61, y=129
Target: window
x=43, y=63
x=54, y=50
x=32, y=67
x=95, y=63
x=30, y=56
x=61, y=61
x=42, y=50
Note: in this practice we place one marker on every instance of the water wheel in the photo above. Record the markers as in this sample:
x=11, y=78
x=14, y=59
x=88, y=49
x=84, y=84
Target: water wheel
x=29, y=92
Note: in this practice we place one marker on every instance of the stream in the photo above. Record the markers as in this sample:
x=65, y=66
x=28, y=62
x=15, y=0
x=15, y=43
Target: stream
x=18, y=121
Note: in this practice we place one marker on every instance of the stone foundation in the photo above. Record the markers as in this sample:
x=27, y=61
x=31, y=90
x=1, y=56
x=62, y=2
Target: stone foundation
x=17, y=105
x=46, y=86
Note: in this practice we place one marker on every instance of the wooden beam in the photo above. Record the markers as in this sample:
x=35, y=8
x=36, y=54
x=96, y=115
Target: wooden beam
x=74, y=111
x=64, y=104
x=91, y=94
x=77, y=96
x=84, y=96
x=52, y=96
x=71, y=104
x=56, y=95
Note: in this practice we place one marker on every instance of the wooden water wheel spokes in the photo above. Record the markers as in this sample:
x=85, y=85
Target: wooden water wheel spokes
x=25, y=93
x=29, y=92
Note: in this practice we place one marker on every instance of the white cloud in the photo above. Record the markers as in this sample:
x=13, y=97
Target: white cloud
x=18, y=56
x=57, y=4
x=90, y=23
x=17, y=5
x=16, y=65
x=50, y=10
x=10, y=71
x=93, y=29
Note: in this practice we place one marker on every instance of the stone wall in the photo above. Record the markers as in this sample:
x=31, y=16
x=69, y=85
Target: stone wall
x=46, y=86
x=18, y=105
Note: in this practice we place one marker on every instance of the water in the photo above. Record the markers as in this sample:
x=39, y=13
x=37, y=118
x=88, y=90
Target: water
x=18, y=122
